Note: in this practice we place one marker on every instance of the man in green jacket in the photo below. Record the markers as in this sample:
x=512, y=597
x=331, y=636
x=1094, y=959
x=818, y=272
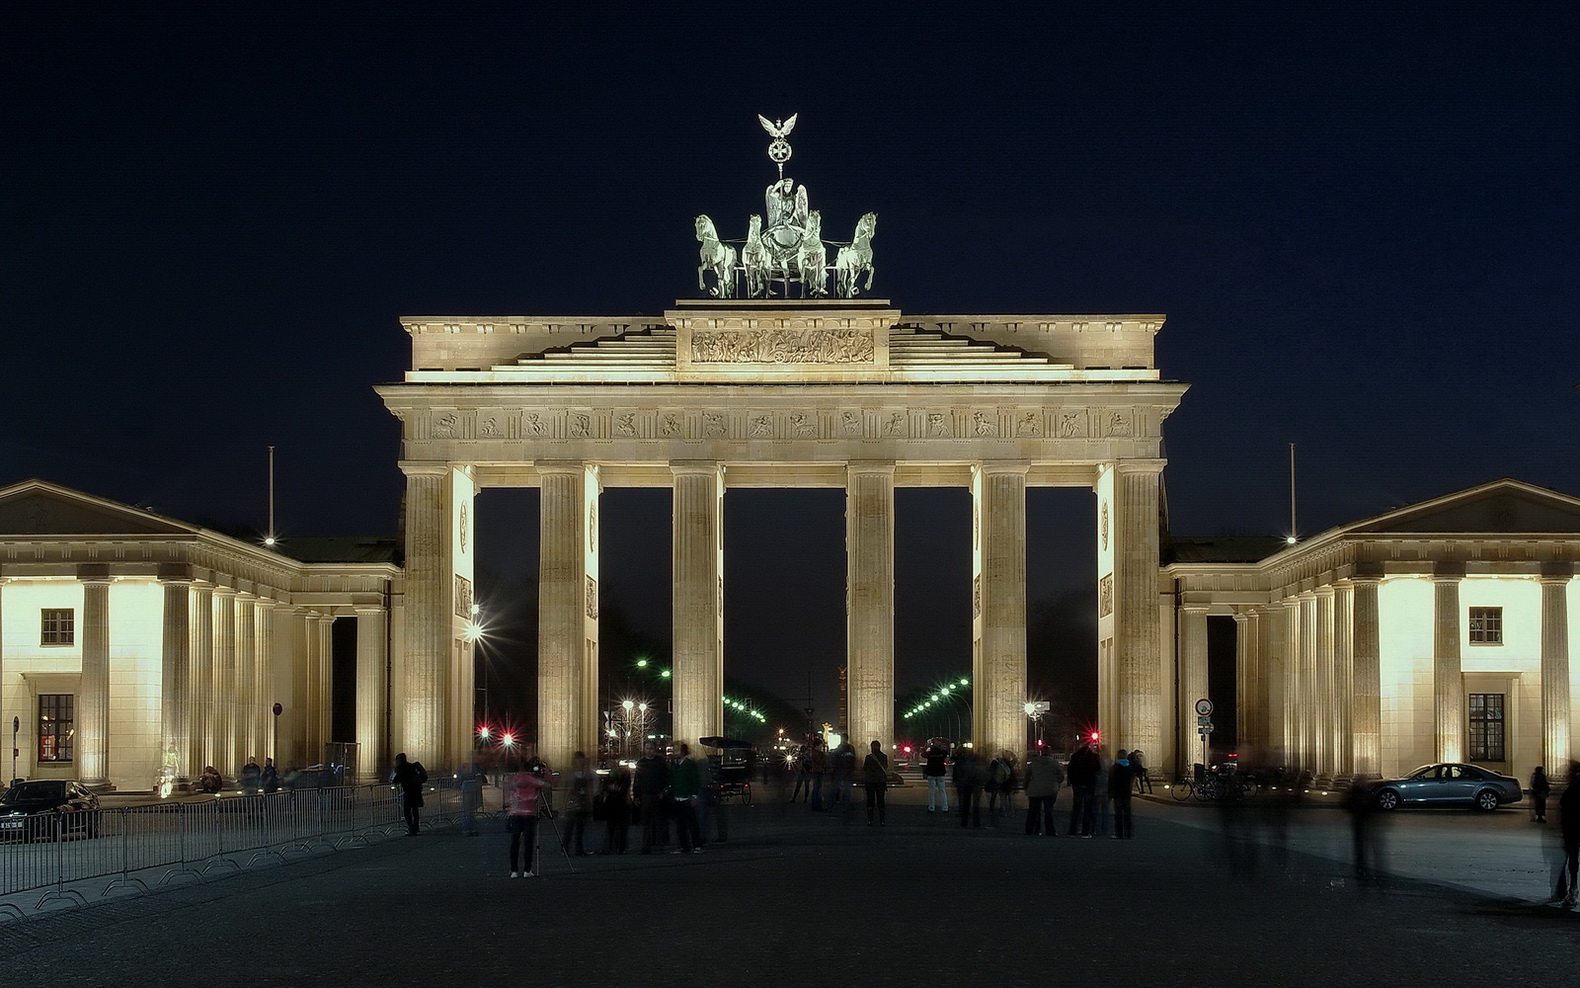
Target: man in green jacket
x=685, y=787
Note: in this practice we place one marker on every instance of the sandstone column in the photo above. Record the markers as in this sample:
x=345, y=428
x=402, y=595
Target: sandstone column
x=175, y=673
x=1141, y=695
x=225, y=682
x=326, y=683
x=1448, y=687
x=248, y=744
x=1193, y=678
x=93, y=703
x=202, y=677
x=428, y=606
x=263, y=681
x=869, y=601
x=1245, y=681
x=998, y=674
x=1366, y=659
x=372, y=691
x=1323, y=700
x=1275, y=658
x=1294, y=757
x=698, y=674
x=1556, y=750
x=1343, y=726
x=310, y=687
x=568, y=612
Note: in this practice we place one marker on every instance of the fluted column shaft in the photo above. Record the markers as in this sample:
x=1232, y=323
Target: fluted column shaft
x=428, y=605
x=1292, y=645
x=1342, y=725
x=1366, y=684
x=1323, y=700
x=175, y=664
x=372, y=688
x=1245, y=705
x=698, y=518
x=567, y=612
x=1140, y=672
x=1448, y=687
x=203, y=753
x=869, y=601
x=998, y=675
x=225, y=682
x=1556, y=741
x=1193, y=678
x=263, y=680
x=92, y=740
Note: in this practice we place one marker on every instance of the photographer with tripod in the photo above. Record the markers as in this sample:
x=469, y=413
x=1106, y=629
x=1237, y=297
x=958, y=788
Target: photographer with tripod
x=525, y=790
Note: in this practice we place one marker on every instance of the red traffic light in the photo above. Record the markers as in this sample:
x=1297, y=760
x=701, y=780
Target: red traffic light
x=1096, y=736
x=907, y=749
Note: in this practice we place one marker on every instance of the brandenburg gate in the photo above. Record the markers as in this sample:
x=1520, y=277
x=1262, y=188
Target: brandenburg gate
x=722, y=393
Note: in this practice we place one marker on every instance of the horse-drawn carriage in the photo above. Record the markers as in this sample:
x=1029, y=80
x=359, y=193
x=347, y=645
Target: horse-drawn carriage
x=730, y=770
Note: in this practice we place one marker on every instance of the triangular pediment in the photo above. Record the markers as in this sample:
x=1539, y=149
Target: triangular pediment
x=35, y=507
x=1503, y=506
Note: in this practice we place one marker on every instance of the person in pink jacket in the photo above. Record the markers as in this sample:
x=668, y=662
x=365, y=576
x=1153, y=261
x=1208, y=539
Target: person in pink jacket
x=522, y=797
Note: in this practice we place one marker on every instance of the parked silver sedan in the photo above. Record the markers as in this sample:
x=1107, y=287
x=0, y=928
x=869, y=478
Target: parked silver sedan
x=1448, y=784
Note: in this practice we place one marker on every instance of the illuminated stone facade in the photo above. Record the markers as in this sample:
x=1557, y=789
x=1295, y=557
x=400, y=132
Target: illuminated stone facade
x=1438, y=632
x=130, y=641
x=717, y=395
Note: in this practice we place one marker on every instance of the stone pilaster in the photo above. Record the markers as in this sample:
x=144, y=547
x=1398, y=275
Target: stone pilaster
x=1343, y=678
x=998, y=674
x=1245, y=681
x=93, y=690
x=698, y=675
x=1292, y=650
x=1556, y=740
x=568, y=718
x=869, y=601
x=1193, y=677
x=1366, y=682
x=225, y=682
x=429, y=627
x=203, y=753
x=372, y=691
x=1140, y=672
x=1448, y=682
x=175, y=663
x=1323, y=700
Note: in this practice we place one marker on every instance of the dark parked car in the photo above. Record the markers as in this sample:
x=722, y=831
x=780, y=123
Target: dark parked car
x=1448, y=784
x=48, y=810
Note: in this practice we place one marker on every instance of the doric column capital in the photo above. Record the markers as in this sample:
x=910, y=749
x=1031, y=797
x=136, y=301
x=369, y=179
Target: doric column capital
x=1448, y=572
x=1306, y=595
x=1557, y=572
x=1343, y=584
x=225, y=591
x=369, y=610
x=681, y=468
x=424, y=468
x=870, y=467
x=1196, y=609
x=1139, y=466
x=992, y=468
x=95, y=573
x=1326, y=590
x=561, y=467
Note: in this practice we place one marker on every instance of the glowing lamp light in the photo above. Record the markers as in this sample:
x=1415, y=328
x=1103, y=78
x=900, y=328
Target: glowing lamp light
x=627, y=704
x=472, y=632
x=269, y=541
x=1290, y=540
x=507, y=739
x=665, y=674
x=484, y=733
x=965, y=682
x=641, y=663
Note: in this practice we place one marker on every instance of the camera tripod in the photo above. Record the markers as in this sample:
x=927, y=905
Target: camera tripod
x=546, y=812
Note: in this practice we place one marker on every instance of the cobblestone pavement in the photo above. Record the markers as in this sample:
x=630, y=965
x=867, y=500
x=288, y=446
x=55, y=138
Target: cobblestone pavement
x=797, y=897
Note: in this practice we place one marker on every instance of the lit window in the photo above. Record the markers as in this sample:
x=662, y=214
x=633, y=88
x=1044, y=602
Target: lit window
x=1486, y=727
x=59, y=626
x=1486, y=626
x=55, y=711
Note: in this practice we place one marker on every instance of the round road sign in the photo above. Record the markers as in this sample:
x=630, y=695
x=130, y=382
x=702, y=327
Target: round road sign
x=1203, y=707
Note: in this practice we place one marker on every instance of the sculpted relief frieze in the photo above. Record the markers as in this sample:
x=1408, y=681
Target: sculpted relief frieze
x=783, y=346
x=725, y=424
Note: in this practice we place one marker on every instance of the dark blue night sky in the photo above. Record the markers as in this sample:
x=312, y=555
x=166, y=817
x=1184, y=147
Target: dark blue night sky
x=1361, y=224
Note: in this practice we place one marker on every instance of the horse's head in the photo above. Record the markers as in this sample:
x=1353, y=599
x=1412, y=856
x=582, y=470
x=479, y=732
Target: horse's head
x=705, y=230
x=867, y=226
x=754, y=227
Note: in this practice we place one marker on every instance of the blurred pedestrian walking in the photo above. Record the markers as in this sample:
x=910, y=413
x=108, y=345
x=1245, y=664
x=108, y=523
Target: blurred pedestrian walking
x=1121, y=786
x=685, y=788
x=1540, y=790
x=578, y=806
x=935, y=770
x=470, y=776
x=1044, y=778
x=652, y=782
x=1082, y=773
x=1569, y=824
x=969, y=777
x=615, y=800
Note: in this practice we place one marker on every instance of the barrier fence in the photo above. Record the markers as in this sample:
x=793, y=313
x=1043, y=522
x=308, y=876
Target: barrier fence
x=139, y=848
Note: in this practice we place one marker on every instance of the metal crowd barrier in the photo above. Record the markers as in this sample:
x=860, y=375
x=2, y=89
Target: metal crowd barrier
x=139, y=848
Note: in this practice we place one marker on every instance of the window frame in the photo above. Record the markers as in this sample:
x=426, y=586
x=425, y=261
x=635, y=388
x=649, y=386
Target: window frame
x=59, y=730
x=55, y=631
x=1488, y=750
x=1490, y=624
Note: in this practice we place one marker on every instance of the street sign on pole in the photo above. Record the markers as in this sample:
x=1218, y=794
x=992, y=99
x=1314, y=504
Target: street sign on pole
x=1204, y=707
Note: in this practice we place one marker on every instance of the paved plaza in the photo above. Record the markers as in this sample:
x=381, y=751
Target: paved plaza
x=797, y=897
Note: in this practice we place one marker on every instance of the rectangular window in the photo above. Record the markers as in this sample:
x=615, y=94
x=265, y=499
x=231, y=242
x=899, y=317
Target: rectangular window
x=58, y=626
x=55, y=712
x=1486, y=626
x=1486, y=727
